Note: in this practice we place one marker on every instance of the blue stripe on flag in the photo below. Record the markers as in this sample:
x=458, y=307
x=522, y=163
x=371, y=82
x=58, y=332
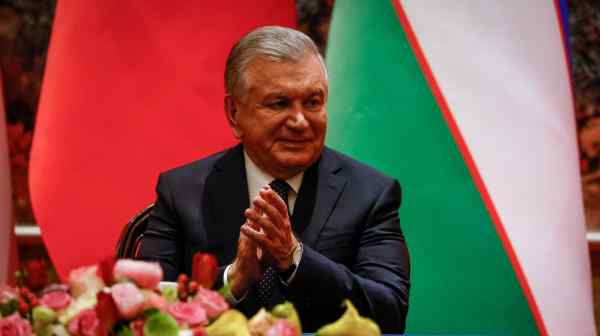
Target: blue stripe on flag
x=564, y=17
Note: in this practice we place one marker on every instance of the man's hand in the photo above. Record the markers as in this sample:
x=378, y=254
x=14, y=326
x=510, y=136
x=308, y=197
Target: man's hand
x=246, y=269
x=269, y=227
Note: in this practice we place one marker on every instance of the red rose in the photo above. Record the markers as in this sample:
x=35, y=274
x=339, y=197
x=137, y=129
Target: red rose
x=84, y=324
x=137, y=327
x=56, y=300
x=106, y=310
x=36, y=274
x=199, y=331
x=204, y=269
x=283, y=328
x=189, y=313
x=105, y=268
x=212, y=302
x=14, y=325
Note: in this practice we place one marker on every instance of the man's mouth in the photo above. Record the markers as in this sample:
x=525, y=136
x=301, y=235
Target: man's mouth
x=294, y=142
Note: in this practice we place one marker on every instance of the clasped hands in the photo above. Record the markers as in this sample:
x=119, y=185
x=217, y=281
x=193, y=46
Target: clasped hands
x=266, y=238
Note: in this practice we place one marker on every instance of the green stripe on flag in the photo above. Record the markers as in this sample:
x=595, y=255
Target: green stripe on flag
x=382, y=112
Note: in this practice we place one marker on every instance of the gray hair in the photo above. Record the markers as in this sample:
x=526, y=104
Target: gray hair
x=274, y=43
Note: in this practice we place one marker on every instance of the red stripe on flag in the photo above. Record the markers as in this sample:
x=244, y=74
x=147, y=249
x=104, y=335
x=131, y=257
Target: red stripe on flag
x=441, y=101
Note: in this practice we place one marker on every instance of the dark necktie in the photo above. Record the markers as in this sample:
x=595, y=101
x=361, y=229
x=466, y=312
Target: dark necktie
x=269, y=280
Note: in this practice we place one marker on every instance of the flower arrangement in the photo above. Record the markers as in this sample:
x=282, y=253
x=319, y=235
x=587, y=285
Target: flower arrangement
x=127, y=298
x=19, y=145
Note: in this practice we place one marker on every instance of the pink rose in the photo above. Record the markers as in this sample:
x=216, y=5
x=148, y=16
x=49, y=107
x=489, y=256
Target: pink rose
x=189, y=313
x=85, y=279
x=212, y=302
x=153, y=300
x=56, y=300
x=144, y=274
x=8, y=294
x=55, y=287
x=128, y=299
x=14, y=325
x=85, y=323
x=283, y=328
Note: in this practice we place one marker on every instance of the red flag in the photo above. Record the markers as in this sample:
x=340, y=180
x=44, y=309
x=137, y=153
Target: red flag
x=131, y=88
x=8, y=250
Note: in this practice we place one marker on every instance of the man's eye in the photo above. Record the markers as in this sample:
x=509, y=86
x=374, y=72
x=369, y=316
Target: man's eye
x=313, y=104
x=278, y=105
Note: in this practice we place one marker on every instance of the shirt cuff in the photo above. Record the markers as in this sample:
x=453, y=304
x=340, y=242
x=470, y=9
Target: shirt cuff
x=227, y=292
x=297, y=257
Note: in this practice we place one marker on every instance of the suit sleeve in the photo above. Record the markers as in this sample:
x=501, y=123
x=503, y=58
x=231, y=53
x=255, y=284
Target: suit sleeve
x=377, y=282
x=161, y=239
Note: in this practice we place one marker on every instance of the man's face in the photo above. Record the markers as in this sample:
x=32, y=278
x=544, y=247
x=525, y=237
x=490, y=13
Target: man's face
x=281, y=117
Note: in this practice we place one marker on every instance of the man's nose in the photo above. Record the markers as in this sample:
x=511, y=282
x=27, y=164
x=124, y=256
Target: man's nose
x=298, y=120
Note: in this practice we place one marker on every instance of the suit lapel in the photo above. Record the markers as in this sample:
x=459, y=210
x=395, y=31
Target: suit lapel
x=329, y=188
x=227, y=198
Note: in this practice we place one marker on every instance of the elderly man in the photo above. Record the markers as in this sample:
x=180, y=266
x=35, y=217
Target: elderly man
x=311, y=225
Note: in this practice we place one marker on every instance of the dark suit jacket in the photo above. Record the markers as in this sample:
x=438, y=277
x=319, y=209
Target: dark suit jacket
x=353, y=245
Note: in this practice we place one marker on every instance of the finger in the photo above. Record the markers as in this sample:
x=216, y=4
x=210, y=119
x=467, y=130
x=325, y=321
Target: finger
x=253, y=207
x=259, y=254
x=263, y=222
x=269, y=209
x=252, y=224
x=246, y=244
x=271, y=197
x=259, y=238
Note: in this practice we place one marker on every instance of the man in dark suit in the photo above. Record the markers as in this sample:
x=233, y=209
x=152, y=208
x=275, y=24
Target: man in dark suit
x=311, y=225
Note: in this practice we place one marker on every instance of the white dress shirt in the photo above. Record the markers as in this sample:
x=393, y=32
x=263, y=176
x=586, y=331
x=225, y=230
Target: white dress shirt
x=257, y=178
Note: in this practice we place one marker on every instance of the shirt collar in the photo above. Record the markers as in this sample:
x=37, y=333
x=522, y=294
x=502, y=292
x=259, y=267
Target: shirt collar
x=257, y=178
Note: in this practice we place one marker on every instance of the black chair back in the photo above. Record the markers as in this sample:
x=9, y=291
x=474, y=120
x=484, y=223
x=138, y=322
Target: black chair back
x=128, y=246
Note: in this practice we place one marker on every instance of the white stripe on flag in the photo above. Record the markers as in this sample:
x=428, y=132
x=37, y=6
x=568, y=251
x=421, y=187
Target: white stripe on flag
x=500, y=65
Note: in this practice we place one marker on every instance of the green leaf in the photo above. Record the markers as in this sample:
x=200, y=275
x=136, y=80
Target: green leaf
x=151, y=311
x=8, y=308
x=125, y=331
x=160, y=325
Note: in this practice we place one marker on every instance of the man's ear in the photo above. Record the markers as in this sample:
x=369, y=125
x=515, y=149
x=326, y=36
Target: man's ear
x=231, y=110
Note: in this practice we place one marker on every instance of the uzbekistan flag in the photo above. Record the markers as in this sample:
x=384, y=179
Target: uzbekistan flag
x=468, y=104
